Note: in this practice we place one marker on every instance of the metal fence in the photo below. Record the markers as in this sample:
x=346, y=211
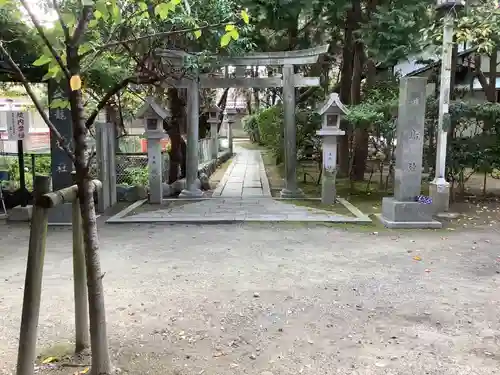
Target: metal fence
x=131, y=167
x=34, y=163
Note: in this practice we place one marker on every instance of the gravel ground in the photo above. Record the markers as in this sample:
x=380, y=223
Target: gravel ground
x=252, y=299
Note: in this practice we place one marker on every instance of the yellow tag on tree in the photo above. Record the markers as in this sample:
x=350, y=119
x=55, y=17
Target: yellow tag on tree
x=75, y=83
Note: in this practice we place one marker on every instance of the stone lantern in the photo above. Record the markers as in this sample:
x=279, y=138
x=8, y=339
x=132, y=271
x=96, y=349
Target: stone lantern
x=153, y=115
x=448, y=4
x=231, y=119
x=213, y=119
x=331, y=113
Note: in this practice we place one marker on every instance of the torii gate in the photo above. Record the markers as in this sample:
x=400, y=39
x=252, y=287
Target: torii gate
x=289, y=81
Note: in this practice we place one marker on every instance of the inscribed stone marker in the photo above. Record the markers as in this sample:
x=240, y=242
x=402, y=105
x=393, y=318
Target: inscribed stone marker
x=410, y=131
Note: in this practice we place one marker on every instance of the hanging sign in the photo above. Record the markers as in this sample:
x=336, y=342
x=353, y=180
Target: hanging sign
x=17, y=125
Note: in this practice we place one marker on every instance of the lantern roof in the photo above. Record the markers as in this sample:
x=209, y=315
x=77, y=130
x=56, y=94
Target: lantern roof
x=212, y=108
x=151, y=108
x=332, y=102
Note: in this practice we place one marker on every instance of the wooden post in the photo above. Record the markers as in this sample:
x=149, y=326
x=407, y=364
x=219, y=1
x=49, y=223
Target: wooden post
x=33, y=283
x=82, y=333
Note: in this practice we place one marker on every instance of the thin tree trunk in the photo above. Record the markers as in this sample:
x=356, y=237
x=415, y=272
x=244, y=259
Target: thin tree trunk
x=173, y=129
x=345, y=92
x=361, y=135
x=101, y=364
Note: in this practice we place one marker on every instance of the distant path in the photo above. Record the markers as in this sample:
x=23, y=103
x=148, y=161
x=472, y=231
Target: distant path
x=245, y=177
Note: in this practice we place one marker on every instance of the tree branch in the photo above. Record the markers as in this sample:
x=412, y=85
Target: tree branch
x=82, y=24
x=114, y=90
x=154, y=35
x=63, y=25
x=60, y=139
x=39, y=28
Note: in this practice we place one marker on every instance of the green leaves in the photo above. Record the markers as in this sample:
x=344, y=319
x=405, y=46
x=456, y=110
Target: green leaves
x=58, y=103
x=231, y=34
x=42, y=60
x=245, y=17
x=163, y=9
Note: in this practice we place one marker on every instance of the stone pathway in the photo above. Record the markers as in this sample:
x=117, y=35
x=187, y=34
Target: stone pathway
x=243, y=195
x=245, y=177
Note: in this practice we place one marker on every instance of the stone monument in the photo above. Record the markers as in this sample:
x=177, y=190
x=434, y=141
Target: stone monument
x=230, y=113
x=213, y=119
x=105, y=137
x=61, y=164
x=331, y=112
x=153, y=116
x=402, y=210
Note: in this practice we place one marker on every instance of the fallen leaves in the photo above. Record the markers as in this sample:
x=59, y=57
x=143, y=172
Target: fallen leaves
x=49, y=360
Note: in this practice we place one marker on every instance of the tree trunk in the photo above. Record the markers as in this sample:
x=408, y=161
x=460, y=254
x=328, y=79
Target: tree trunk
x=492, y=94
x=222, y=105
x=345, y=91
x=361, y=135
x=177, y=152
x=101, y=364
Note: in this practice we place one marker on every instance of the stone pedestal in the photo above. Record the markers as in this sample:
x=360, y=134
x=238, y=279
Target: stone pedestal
x=328, y=190
x=20, y=213
x=155, y=167
x=215, y=140
x=403, y=211
x=439, y=191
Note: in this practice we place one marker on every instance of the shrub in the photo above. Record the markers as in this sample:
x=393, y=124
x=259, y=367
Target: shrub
x=251, y=127
x=270, y=128
x=136, y=176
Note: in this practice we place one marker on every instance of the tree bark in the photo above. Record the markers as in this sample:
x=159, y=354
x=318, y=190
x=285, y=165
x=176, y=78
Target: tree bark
x=101, y=364
x=345, y=91
x=361, y=135
x=177, y=152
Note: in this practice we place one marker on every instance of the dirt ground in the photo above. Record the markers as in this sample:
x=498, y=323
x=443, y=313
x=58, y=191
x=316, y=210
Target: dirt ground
x=273, y=299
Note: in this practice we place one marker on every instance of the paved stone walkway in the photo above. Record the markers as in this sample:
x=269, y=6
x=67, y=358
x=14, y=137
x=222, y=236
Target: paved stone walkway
x=243, y=195
x=245, y=177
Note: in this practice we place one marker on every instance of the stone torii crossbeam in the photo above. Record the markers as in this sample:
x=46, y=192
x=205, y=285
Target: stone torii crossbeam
x=289, y=82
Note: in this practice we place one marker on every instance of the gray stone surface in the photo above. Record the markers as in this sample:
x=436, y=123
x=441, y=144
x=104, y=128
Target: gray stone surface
x=245, y=177
x=402, y=211
x=395, y=210
x=237, y=209
x=181, y=299
x=60, y=215
x=397, y=214
x=19, y=213
x=440, y=194
x=410, y=136
x=155, y=167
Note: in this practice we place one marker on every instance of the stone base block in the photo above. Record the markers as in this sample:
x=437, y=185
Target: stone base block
x=191, y=193
x=396, y=214
x=19, y=213
x=61, y=215
x=130, y=193
x=285, y=193
x=440, y=194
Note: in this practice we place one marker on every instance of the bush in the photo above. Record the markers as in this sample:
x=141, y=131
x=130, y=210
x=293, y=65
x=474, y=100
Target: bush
x=270, y=129
x=251, y=127
x=136, y=176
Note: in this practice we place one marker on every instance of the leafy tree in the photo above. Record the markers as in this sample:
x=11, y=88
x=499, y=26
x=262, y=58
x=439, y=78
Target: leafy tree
x=90, y=34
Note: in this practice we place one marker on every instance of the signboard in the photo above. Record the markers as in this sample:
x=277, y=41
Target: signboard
x=61, y=118
x=17, y=125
